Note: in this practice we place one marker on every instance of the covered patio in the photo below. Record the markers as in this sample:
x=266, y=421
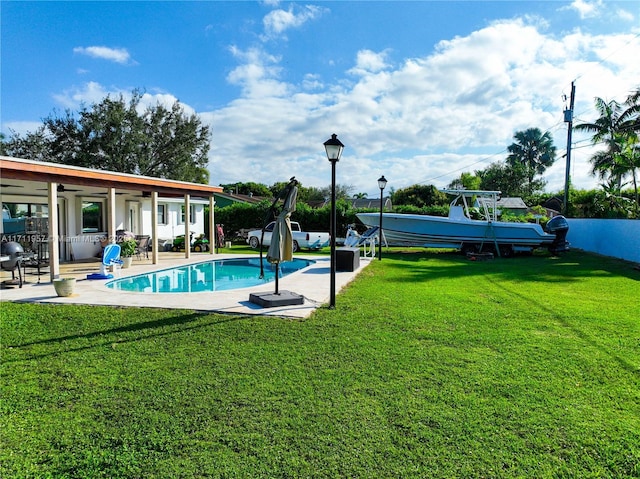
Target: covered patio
x=124, y=201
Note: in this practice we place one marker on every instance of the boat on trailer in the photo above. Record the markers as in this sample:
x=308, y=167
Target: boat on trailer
x=470, y=232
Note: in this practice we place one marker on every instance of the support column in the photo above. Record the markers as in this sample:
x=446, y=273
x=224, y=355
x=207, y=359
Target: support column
x=212, y=226
x=54, y=245
x=111, y=215
x=187, y=224
x=155, y=254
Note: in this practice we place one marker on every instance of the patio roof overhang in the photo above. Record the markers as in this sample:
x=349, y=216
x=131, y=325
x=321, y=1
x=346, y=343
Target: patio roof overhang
x=38, y=171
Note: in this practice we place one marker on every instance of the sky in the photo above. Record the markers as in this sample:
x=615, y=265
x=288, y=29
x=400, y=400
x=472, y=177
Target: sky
x=418, y=91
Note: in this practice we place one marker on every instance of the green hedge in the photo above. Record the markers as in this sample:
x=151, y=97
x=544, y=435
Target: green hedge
x=245, y=216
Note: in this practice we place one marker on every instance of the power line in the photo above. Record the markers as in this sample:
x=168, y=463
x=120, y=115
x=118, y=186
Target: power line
x=463, y=168
x=637, y=35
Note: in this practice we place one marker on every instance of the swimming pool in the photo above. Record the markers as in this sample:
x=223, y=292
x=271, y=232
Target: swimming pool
x=216, y=275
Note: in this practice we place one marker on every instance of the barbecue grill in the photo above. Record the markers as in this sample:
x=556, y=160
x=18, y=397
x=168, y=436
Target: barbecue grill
x=12, y=252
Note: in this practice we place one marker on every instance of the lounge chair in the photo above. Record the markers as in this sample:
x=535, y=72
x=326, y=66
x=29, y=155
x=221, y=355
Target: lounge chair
x=110, y=259
x=353, y=238
x=368, y=239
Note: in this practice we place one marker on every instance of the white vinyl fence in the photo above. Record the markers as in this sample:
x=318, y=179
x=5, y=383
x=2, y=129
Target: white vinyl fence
x=617, y=238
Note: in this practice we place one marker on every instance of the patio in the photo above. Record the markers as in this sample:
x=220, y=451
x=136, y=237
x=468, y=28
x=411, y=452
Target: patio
x=312, y=283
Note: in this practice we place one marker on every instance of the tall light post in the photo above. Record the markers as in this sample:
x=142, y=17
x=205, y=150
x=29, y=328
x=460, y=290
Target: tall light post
x=334, y=148
x=382, y=182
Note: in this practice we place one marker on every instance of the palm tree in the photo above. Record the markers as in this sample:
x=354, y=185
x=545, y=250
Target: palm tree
x=534, y=151
x=633, y=101
x=627, y=162
x=610, y=128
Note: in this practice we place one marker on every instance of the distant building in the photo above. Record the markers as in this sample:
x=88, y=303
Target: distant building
x=515, y=205
x=226, y=199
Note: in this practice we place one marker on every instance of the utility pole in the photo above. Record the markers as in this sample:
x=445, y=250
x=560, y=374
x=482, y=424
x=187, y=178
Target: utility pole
x=568, y=118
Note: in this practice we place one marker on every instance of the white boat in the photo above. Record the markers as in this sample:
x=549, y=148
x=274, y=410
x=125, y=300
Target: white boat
x=462, y=231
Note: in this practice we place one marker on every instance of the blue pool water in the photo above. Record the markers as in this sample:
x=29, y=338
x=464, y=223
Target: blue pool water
x=216, y=275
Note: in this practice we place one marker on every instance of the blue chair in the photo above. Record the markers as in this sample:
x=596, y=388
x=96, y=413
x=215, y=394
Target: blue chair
x=110, y=259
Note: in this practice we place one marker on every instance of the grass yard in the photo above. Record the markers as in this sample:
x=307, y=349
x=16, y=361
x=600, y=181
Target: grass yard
x=431, y=366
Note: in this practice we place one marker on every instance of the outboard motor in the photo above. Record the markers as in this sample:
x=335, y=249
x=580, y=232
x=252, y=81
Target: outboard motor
x=559, y=226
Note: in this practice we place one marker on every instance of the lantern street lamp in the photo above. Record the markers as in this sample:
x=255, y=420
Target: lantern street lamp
x=334, y=148
x=382, y=182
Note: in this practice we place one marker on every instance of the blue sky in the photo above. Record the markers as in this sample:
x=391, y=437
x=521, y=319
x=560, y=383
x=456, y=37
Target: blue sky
x=419, y=91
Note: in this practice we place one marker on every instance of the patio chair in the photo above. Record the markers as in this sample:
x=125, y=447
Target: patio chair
x=143, y=246
x=110, y=259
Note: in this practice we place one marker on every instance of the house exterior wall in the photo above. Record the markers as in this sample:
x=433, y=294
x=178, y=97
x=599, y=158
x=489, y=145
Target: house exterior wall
x=173, y=225
x=75, y=245
x=617, y=238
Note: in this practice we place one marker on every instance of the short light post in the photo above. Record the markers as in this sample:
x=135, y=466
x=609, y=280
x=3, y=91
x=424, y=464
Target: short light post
x=382, y=182
x=334, y=148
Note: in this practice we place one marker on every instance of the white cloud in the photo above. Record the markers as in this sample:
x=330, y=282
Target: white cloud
x=312, y=81
x=368, y=61
x=257, y=74
x=74, y=98
x=93, y=92
x=625, y=15
x=430, y=118
x=118, y=55
x=277, y=22
x=586, y=8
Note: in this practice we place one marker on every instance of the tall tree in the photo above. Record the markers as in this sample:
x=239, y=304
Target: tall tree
x=34, y=145
x=467, y=180
x=510, y=180
x=533, y=150
x=120, y=135
x=419, y=195
x=613, y=123
x=627, y=163
x=248, y=188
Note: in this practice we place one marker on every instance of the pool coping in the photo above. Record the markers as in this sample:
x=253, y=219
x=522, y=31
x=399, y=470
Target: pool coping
x=312, y=282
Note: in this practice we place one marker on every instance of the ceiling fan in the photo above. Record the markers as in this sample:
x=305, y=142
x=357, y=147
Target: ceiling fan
x=61, y=189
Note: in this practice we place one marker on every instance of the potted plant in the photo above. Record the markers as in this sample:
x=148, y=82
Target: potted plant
x=64, y=286
x=127, y=250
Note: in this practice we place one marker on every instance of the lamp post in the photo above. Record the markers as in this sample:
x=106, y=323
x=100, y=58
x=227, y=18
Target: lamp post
x=382, y=182
x=334, y=148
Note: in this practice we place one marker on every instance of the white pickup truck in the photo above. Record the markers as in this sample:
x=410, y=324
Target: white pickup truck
x=301, y=239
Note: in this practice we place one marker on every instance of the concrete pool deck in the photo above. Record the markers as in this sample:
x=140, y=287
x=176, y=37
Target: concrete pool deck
x=312, y=283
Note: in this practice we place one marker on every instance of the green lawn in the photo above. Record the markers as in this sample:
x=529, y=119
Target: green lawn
x=431, y=365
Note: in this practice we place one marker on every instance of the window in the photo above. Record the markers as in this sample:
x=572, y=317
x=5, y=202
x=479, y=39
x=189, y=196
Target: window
x=92, y=215
x=15, y=210
x=24, y=217
x=192, y=214
x=162, y=214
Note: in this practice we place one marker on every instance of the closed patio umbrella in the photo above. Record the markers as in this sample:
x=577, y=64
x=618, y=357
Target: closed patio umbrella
x=281, y=247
